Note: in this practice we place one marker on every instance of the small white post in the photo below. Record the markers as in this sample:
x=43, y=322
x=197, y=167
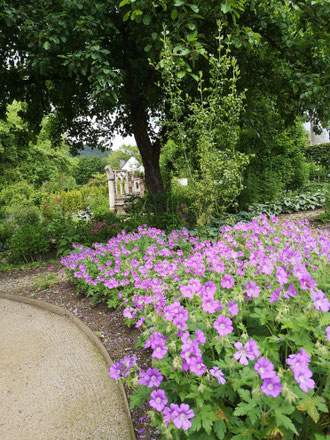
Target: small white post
x=126, y=183
x=111, y=186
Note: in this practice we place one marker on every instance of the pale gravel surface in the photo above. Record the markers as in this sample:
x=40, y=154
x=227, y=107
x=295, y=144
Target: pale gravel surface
x=54, y=383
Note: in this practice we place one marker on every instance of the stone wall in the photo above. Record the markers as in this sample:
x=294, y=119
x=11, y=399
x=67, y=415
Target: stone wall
x=123, y=184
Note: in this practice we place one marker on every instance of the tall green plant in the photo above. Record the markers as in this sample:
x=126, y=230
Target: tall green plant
x=206, y=128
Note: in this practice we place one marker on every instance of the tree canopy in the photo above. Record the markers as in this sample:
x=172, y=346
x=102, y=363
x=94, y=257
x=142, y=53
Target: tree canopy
x=87, y=62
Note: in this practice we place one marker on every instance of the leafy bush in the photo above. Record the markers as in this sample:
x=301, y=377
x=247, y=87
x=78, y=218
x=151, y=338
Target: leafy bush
x=205, y=129
x=320, y=154
x=279, y=163
x=25, y=215
x=6, y=231
x=17, y=194
x=28, y=243
x=164, y=211
x=235, y=328
x=325, y=217
x=71, y=202
x=87, y=167
x=291, y=203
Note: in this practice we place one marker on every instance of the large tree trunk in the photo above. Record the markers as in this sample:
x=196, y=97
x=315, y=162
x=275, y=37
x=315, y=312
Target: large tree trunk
x=149, y=152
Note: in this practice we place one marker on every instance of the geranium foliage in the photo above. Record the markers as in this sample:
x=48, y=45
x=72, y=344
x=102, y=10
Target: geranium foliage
x=237, y=328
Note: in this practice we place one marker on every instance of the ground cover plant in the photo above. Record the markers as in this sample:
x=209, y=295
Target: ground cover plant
x=302, y=201
x=236, y=328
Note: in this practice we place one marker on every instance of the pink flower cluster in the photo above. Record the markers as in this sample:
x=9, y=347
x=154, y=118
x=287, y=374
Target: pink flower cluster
x=189, y=296
x=302, y=374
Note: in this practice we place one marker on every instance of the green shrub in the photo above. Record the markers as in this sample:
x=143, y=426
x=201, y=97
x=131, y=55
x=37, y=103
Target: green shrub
x=320, y=154
x=65, y=231
x=324, y=218
x=87, y=167
x=25, y=215
x=156, y=210
x=16, y=194
x=279, y=163
x=99, y=204
x=27, y=243
x=6, y=231
x=71, y=202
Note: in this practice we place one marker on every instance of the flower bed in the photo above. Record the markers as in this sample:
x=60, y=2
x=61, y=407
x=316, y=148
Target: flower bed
x=236, y=328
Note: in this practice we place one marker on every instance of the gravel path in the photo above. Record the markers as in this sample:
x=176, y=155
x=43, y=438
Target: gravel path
x=54, y=382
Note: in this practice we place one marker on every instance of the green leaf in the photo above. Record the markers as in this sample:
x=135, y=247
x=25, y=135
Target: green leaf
x=283, y=420
x=126, y=16
x=46, y=45
x=220, y=429
x=245, y=395
x=185, y=52
x=194, y=8
x=321, y=404
x=138, y=397
x=178, y=3
x=146, y=20
x=147, y=48
x=226, y=7
x=124, y=2
x=207, y=425
x=196, y=423
x=243, y=409
x=174, y=14
x=191, y=26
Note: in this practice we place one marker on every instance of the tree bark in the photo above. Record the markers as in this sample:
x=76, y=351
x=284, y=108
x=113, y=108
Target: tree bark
x=149, y=151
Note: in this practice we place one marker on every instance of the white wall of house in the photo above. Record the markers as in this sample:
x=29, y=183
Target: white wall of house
x=316, y=139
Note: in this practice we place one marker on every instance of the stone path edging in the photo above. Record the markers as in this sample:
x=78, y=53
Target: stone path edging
x=84, y=329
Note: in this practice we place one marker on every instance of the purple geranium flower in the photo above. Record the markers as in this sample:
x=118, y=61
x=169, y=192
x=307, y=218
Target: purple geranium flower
x=116, y=370
x=196, y=366
x=218, y=374
x=181, y=416
x=158, y=399
x=328, y=332
x=250, y=351
x=223, y=325
x=321, y=302
x=253, y=349
x=227, y=281
x=252, y=289
x=303, y=376
x=272, y=386
x=159, y=350
x=265, y=368
x=151, y=378
x=281, y=275
x=209, y=288
x=200, y=337
x=168, y=411
x=232, y=308
x=241, y=354
x=300, y=360
x=275, y=296
x=210, y=305
x=307, y=282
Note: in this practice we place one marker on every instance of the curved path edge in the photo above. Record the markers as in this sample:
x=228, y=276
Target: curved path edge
x=84, y=329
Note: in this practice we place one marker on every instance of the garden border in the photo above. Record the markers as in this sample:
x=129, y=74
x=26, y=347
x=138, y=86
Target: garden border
x=87, y=332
